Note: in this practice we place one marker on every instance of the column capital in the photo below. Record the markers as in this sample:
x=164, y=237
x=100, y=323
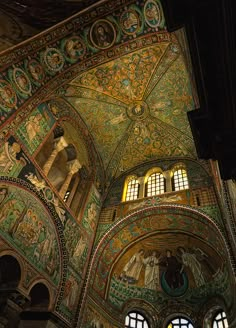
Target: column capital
x=60, y=144
x=74, y=166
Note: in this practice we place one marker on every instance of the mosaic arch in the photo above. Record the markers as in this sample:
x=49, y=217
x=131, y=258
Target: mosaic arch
x=135, y=33
x=30, y=226
x=149, y=227
x=30, y=71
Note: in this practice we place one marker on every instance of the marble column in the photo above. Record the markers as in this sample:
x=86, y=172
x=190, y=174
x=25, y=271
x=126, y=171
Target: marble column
x=59, y=145
x=73, y=167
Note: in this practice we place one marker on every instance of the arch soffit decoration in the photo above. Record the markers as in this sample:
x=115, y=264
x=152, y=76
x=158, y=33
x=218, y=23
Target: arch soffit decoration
x=55, y=77
x=56, y=223
x=162, y=218
x=63, y=111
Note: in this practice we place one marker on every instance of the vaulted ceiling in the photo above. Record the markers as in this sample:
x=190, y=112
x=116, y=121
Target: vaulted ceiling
x=135, y=107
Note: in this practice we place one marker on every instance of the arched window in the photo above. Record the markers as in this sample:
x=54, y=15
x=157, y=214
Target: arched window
x=180, y=179
x=155, y=184
x=135, y=320
x=180, y=323
x=132, y=190
x=220, y=320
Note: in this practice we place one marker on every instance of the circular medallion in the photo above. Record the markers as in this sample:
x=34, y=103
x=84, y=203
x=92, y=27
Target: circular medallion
x=36, y=70
x=138, y=111
x=129, y=22
x=21, y=81
x=74, y=48
x=102, y=34
x=153, y=13
x=8, y=96
x=53, y=59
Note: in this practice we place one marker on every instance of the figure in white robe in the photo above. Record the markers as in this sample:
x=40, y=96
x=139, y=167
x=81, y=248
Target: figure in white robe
x=132, y=269
x=190, y=260
x=152, y=279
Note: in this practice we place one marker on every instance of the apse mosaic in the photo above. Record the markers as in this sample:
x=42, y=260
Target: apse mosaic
x=167, y=265
x=161, y=218
x=27, y=226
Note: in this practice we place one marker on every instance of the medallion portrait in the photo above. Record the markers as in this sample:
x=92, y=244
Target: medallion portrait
x=130, y=23
x=22, y=81
x=53, y=59
x=153, y=13
x=74, y=48
x=36, y=70
x=102, y=34
x=8, y=97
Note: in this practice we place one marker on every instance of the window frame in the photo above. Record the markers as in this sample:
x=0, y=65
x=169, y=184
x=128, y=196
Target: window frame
x=221, y=320
x=189, y=324
x=144, y=321
x=181, y=179
x=156, y=185
x=129, y=180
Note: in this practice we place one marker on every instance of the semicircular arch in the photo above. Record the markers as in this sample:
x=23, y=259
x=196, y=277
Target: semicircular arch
x=145, y=223
x=32, y=227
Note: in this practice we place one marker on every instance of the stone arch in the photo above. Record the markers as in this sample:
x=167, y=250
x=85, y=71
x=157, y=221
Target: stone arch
x=40, y=296
x=56, y=268
x=10, y=271
x=10, y=252
x=51, y=294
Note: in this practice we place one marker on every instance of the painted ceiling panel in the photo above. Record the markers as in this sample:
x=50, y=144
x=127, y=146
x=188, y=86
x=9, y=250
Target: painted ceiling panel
x=171, y=98
x=135, y=107
x=153, y=139
x=107, y=122
x=125, y=78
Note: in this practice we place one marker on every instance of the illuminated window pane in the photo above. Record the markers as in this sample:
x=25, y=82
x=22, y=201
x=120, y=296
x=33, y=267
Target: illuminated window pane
x=135, y=320
x=180, y=323
x=155, y=185
x=180, y=180
x=220, y=321
x=132, y=190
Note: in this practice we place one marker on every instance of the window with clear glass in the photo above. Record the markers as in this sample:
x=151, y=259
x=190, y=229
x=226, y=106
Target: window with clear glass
x=135, y=320
x=180, y=323
x=155, y=184
x=180, y=180
x=132, y=190
x=220, y=321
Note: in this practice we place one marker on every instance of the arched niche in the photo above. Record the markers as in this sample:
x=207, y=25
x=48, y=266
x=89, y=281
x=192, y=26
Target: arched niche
x=194, y=241
x=39, y=297
x=65, y=160
x=10, y=272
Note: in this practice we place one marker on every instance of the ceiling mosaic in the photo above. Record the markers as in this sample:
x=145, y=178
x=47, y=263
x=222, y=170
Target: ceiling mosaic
x=135, y=107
